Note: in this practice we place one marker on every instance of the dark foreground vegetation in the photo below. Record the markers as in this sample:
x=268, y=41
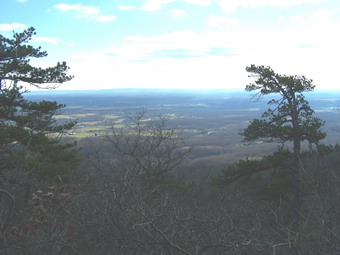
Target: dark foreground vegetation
x=128, y=191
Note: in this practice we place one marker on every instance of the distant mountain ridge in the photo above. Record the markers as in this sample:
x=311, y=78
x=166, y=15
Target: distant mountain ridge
x=136, y=91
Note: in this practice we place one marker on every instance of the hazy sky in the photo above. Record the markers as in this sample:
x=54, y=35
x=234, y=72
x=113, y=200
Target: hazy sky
x=181, y=43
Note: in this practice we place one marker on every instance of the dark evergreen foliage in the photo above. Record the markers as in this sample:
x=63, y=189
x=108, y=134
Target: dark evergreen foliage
x=27, y=128
x=15, y=56
x=292, y=118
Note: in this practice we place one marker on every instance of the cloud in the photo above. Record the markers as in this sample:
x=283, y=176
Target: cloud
x=173, y=53
x=52, y=40
x=199, y=2
x=12, y=26
x=215, y=59
x=216, y=20
x=82, y=11
x=231, y=6
x=155, y=5
x=322, y=14
x=106, y=18
x=159, y=72
x=295, y=19
x=221, y=51
x=126, y=8
x=176, y=45
x=85, y=11
x=318, y=17
x=21, y=1
x=177, y=12
x=140, y=47
x=227, y=6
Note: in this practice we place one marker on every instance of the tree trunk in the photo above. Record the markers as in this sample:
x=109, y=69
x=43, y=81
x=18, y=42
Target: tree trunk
x=296, y=204
x=295, y=174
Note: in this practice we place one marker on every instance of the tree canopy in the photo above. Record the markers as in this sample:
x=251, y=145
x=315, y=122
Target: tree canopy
x=15, y=56
x=292, y=117
x=28, y=129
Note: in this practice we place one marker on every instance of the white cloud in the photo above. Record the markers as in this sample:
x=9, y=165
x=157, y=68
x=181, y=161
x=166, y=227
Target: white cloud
x=199, y=2
x=155, y=5
x=85, y=12
x=317, y=18
x=126, y=8
x=296, y=19
x=106, y=18
x=52, y=40
x=177, y=12
x=229, y=6
x=187, y=59
x=158, y=73
x=322, y=14
x=139, y=47
x=116, y=64
x=216, y=20
x=82, y=11
x=12, y=26
x=285, y=3
x=21, y=1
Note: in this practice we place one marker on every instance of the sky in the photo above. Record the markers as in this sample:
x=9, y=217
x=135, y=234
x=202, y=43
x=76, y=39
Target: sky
x=185, y=44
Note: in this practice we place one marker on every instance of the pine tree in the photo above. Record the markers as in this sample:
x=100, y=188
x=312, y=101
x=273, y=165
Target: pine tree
x=291, y=120
x=29, y=131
